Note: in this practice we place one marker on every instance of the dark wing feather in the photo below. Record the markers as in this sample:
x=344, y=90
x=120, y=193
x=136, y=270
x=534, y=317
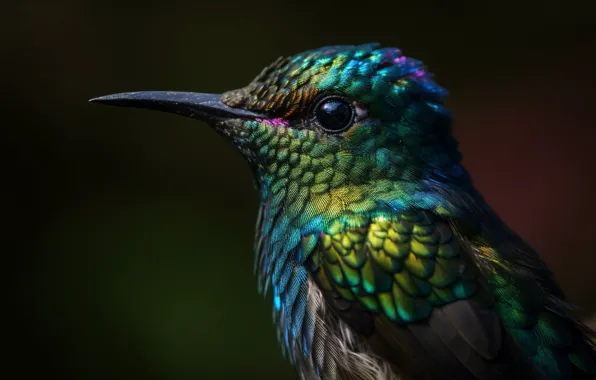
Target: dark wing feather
x=479, y=327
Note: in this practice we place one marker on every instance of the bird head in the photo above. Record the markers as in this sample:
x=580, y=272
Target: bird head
x=334, y=127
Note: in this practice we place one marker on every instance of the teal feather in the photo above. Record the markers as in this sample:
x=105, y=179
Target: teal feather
x=355, y=199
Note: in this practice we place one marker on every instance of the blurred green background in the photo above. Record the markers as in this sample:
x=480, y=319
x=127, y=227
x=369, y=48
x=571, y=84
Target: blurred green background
x=129, y=233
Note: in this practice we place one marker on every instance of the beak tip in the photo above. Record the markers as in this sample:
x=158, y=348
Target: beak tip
x=110, y=99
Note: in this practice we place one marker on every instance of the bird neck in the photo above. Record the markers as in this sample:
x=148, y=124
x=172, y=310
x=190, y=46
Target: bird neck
x=302, y=204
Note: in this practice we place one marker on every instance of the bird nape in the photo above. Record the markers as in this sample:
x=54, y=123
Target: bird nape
x=383, y=259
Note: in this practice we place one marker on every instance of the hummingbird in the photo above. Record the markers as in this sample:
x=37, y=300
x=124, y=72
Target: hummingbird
x=383, y=260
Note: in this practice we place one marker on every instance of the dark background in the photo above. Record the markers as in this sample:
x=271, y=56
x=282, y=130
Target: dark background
x=129, y=233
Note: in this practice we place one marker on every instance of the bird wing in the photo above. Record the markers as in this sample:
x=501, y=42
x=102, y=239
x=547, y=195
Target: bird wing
x=529, y=302
x=406, y=282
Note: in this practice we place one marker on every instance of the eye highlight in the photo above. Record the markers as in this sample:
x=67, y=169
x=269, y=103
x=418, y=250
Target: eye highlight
x=334, y=113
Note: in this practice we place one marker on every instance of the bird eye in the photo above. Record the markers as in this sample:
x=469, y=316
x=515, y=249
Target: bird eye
x=334, y=113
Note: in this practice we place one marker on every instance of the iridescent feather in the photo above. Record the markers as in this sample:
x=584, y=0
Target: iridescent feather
x=378, y=216
x=381, y=256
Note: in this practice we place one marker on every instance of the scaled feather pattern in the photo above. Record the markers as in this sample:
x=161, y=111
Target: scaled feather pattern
x=382, y=258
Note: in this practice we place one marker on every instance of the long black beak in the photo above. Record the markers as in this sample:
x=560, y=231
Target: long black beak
x=205, y=107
